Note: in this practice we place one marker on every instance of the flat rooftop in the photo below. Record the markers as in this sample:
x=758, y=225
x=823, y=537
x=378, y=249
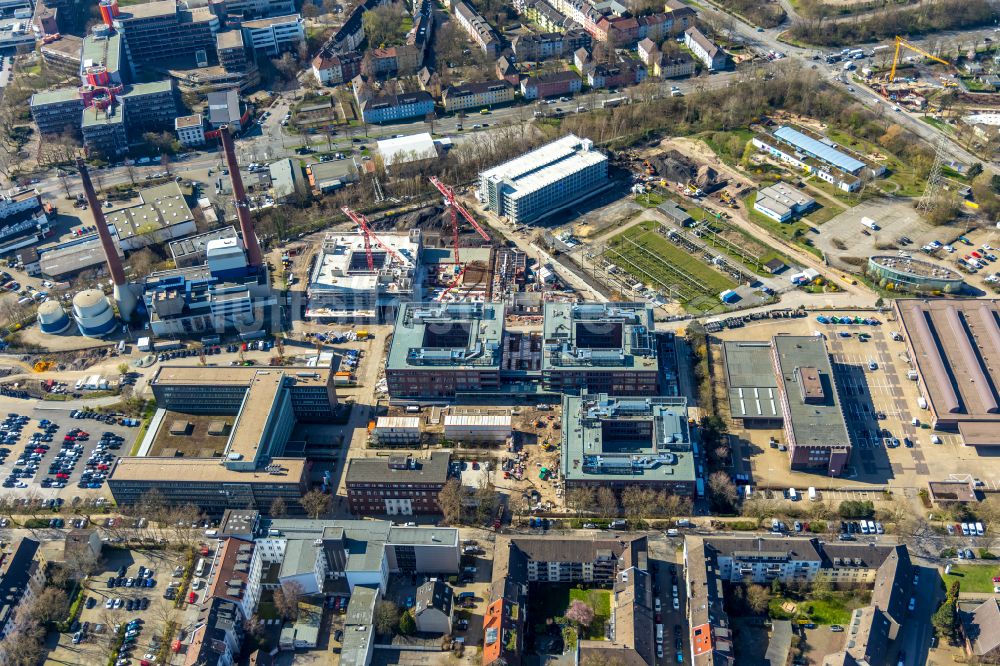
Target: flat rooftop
x=955, y=345
x=235, y=375
x=750, y=381
x=195, y=470
x=102, y=50
x=645, y=440
x=915, y=268
x=196, y=244
x=258, y=24
x=160, y=207
x=56, y=96
x=803, y=362
x=149, y=10
x=451, y=335
x=543, y=166
x=598, y=336
x=195, y=442
x=229, y=39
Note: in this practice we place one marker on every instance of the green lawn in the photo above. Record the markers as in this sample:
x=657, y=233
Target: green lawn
x=972, y=577
x=669, y=264
x=910, y=183
x=553, y=601
x=728, y=145
x=823, y=212
x=940, y=124
x=833, y=609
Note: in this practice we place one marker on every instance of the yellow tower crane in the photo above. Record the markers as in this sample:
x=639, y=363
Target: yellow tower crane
x=895, y=58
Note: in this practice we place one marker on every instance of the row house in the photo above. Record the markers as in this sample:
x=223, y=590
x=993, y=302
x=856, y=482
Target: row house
x=627, y=72
x=477, y=27
x=478, y=95
x=551, y=85
x=550, y=45
x=331, y=70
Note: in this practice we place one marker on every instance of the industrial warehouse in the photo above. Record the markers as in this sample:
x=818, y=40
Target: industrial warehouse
x=955, y=347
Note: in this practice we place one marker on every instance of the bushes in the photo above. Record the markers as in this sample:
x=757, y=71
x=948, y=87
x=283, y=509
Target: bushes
x=764, y=14
x=931, y=17
x=75, y=609
x=856, y=509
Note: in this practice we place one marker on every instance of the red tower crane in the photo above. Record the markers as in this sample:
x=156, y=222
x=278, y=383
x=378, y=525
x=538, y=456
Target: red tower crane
x=456, y=208
x=369, y=235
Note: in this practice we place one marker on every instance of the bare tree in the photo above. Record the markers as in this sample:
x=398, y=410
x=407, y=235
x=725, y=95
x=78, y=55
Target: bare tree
x=757, y=597
x=50, y=605
x=286, y=600
x=607, y=503
x=451, y=500
x=386, y=617
x=316, y=503
x=278, y=508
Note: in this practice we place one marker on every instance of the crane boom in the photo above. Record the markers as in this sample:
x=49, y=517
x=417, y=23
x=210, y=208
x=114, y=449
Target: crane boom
x=369, y=235
x=449, y=196
x=900, y=42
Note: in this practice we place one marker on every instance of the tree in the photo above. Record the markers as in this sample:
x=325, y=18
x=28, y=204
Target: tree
x=163, y=142
x=122, y=368
x=638, y=502
x=386, y=617
x=450, y=500
x=722, y=491
x=382, y=24
x=974, y=170
x=757, y=597
x=407, y=625
x=287, y=66
x=581, y=500
x=310, y=10
x=607, y=503
x=316, y=503
x=286, y=600
x=278, y=508
x=50, y=605
x=580, y=613
x=487, y=499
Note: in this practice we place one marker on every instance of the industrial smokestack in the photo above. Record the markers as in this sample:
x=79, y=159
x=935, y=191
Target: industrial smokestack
x=124, y=297
x=254, y=256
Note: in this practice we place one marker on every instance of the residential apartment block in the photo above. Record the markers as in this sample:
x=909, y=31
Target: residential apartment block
x=235, y=575
x=626, y=72
x=440, y=350
x=550, y=45
x=22, y=576
x=477, y=27
x=551, y=85
x=331, y=70
x=713, y=57
x=276, y=35
x=390, y=107
x=602, y=348
x=397, y=485
x=477, y=95
x=544, y=180
x=521, y=561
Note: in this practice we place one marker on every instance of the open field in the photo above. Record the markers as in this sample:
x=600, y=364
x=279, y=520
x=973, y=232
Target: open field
x=972, y=577
x=746, y=244
x=651, y=258
x=906, y=177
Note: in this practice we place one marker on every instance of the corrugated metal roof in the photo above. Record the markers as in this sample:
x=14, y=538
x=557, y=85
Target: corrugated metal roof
x=819, y=149
x=454, y=420
x=398, y=422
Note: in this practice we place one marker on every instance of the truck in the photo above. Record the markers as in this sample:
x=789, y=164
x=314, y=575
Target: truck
x=856, y=54
x=613, y=102
x=870, y=223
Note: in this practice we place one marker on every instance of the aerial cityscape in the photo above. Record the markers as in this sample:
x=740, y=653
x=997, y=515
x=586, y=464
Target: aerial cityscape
x=562, y=332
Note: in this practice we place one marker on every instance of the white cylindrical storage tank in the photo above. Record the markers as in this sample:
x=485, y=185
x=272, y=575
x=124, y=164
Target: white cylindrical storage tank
x=52, y=318
x=93, y=313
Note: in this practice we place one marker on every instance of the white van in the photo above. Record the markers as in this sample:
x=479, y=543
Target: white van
x=200, y=569
x=793, y=494
x=812, y=494
x=659, y=633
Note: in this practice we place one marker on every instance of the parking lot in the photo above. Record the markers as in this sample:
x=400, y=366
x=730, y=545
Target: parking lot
x=91, y=642
x=879, y=406
x=48, y=452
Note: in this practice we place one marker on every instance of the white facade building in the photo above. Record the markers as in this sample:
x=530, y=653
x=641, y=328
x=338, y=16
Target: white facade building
x=275, y=35
x=546, y=179
x=190, y=130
